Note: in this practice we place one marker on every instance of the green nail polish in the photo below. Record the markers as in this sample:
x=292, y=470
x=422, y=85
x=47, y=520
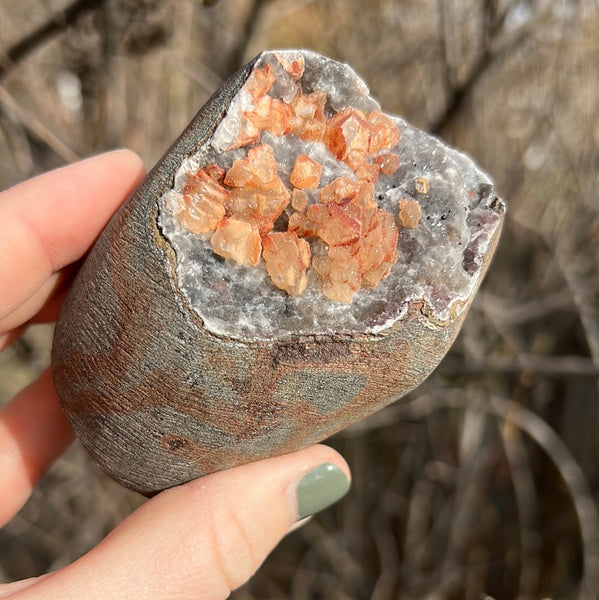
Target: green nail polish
x=319, y=488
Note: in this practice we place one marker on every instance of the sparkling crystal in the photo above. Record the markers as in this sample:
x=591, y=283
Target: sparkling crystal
x=309, y=210
x=409, y=213
x=306, y=172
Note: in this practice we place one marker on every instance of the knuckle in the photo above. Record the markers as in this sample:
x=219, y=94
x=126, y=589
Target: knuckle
x=233, y=549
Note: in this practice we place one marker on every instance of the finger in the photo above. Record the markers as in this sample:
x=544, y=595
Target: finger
x=44, y=294
x=33, y=432
x=50, y=221
x=9, y=589
x=6, y=339
x=205, y=538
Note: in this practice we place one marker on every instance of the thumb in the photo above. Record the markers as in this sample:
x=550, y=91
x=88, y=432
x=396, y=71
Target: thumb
x=207, y=537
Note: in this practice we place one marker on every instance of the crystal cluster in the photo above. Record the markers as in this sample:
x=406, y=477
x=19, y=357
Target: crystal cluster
x=310, y=210
x=252, y=213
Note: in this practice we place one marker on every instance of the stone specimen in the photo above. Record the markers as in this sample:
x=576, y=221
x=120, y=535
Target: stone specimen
x=297, y=260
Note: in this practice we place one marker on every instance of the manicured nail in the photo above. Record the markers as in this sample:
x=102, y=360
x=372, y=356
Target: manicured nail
x=319, y=488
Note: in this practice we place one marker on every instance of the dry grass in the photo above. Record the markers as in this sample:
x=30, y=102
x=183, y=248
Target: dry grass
x=486, y=479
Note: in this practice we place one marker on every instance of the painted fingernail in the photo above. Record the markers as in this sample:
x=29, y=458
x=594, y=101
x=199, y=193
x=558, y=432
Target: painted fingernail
x=319, y=488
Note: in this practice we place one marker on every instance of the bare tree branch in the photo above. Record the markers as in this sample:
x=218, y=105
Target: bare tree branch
x=57, y=23
x=493, y=51
x=236, y=58
x=36, y=127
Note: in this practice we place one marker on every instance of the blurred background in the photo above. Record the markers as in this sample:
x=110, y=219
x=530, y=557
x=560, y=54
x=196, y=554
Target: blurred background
x=483, y=483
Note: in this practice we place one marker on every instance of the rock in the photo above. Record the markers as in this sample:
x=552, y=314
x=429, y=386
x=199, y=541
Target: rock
x=297, y=260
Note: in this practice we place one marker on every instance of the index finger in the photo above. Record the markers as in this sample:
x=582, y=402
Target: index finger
x=51, y=221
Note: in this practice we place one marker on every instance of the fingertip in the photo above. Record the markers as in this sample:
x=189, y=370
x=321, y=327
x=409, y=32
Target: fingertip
x=129, y=159
x=209, y=536
x=319, y=488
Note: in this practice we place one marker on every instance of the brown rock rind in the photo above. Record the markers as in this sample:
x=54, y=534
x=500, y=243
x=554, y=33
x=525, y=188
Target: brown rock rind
x=157, y=400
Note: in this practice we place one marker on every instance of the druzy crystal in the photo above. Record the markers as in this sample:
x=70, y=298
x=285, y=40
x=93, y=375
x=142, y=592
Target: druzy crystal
x=311, y=211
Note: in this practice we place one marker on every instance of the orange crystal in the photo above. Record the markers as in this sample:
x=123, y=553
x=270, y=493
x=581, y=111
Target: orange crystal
x=340, y=228
x=368, y=172
x=258, y=191
x=258, y=168
x=340, y=191
x=358, y=239
x=347, y=136
x=299, y=200
x=204, y=201
x=306, y=172
x=249, y=133
x=340, y=272
x=287, y=257
x=270, y=115
x=388, y=163
x=385, y=133
x=260, y=81
x=201, y=214
x=307, y=225
x=379, y=249
x=409, y=213
x=294, y=68
x=363, y=206
x=215, y=172
x=309, y=120
x=421, y=185
x=237, y=239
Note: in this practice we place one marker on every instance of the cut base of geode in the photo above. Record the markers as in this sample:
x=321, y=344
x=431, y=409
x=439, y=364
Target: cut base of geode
x=443, y=211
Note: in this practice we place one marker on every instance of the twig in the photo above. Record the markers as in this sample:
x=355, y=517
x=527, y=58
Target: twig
x=36, y=127
x=237, y=55
x=518, y=313
x=573, y=476
x=549, y=366
x=526, y=499
x=57, y=23
x=487, y=58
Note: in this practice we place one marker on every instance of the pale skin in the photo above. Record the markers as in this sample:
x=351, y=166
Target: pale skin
x=199, y=540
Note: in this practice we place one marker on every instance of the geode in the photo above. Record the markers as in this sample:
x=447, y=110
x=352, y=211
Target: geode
x=297, y=260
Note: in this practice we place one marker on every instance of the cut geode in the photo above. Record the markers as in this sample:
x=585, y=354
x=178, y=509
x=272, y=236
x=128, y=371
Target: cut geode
x=418, y=217
x=295, y=261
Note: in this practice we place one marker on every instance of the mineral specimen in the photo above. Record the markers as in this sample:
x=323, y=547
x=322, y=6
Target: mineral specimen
x=318, y=199
x=296, y=261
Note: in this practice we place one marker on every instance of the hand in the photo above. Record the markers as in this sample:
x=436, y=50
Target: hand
x=199, y=540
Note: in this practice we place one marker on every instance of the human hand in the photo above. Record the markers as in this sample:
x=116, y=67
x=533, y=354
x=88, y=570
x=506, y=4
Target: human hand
x=199, y=540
